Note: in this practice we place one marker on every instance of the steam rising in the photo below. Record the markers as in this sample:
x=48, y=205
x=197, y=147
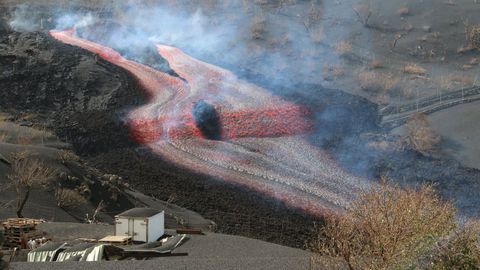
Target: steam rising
x=23, y=19
x=278, y=42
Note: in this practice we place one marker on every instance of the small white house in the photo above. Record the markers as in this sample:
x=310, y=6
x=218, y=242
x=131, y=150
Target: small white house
x=142, y=224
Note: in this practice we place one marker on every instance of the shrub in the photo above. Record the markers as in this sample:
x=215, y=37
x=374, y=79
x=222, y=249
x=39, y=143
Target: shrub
x=28, y=172
x=68, y=198
x=66, y=156
x=387, y=227
x=461, y=250
x=343, y=48
x=474, y=37
x=414, y=69
x=420, y=133
x=377, y=82
x=376, y=64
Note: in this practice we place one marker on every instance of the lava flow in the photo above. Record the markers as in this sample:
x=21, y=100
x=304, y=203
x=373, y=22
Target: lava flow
x=253, y=135
x=176, y=120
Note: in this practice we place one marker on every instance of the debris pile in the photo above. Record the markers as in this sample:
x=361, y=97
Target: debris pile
x=101, y=250
x=21, y=232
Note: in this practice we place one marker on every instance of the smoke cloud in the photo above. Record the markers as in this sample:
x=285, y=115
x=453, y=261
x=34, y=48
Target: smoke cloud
x=23, y=20
x=284, y=41
x=241, y=36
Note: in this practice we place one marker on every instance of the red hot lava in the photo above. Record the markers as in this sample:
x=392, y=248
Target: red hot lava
x=171, y=117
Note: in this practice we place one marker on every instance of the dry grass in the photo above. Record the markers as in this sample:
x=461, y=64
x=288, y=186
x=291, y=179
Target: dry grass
x=68, y=198
x=453, y=81
x=421, y=136
x=16, y=134
x=474, y=37
x=313, y=16
x=66, y=157
x=332, y=72
x=385, y=145
x=376, y=64
x=461, y=250
x=343, y=47
x=377, y=82
x=414, y=69
x=387, y=227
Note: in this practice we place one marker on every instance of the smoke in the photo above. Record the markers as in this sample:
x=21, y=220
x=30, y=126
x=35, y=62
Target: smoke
x=24, y=20
x=286, y=42
x=76, y=21
x=243, y=37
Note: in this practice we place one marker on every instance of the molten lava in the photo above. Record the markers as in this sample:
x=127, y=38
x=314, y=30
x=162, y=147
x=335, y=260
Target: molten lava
x=273, y=118
x=256, y=145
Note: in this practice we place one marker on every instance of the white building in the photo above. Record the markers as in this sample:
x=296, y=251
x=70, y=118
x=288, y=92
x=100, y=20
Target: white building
x=142, y=224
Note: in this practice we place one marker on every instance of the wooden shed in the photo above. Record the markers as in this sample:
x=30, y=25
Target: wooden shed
x=142, y=224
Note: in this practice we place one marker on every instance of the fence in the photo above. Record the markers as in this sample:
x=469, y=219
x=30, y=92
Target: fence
x=396, y=115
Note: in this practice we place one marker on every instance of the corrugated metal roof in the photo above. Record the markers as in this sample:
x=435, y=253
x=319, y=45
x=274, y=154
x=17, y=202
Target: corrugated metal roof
x=79, y=247
x=139, y=212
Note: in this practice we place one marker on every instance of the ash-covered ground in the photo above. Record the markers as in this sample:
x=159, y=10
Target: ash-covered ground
x=84, y=99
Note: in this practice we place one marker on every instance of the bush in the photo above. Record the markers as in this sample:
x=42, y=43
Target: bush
x=420, y=133
x=68, y=198
x=414, y=69
x=377, y=82
x=28, y=172
x=459, y=251
x=387, y=227
x=66, y=157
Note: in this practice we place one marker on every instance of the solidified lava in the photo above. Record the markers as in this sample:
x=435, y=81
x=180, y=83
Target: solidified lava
x=207, y=120
x=212, y=103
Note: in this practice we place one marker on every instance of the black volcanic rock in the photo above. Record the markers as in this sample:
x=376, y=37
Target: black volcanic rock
x=207, y=120
x=4, y=27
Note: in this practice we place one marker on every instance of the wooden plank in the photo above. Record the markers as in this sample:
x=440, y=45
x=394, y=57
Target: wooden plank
x=88, y=240
x=116, y=240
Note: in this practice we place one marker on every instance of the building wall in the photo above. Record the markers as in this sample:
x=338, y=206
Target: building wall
x=156, y=227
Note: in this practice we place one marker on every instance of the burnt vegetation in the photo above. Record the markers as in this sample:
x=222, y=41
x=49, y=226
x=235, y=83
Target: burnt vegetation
x=29, y=173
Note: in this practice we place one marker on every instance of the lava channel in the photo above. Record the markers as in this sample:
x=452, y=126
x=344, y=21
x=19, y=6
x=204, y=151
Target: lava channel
x=213, y=123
